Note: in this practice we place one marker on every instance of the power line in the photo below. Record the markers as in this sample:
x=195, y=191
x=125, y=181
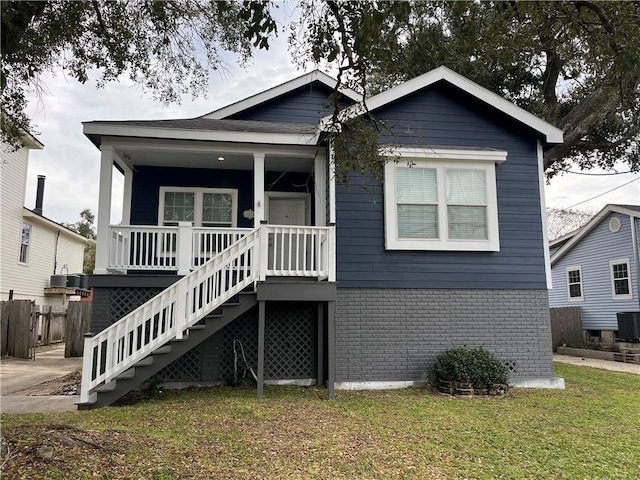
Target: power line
x=601, y=194
x=597, y=174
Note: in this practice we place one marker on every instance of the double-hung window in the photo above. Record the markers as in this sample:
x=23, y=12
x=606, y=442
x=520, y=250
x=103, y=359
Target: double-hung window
x=620, y=279
x=442, y=200
x=203, y=207
x=25, y=239
x=574, y=283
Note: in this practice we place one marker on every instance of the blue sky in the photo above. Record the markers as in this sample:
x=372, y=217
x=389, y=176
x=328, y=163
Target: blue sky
x=71, y=163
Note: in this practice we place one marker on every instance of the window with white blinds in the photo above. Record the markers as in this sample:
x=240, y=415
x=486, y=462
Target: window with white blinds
x=435, y=204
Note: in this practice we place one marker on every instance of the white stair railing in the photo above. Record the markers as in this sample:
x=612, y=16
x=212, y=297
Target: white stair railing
x=167, y=315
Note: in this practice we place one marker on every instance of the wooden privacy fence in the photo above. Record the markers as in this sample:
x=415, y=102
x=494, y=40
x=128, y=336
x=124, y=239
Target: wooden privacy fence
x=17, y=334
x=566, y=326
x=25, y=325
x=78, y=321
x=50, y=320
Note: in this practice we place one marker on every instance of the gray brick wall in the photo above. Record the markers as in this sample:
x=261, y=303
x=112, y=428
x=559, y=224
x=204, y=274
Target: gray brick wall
x=100, y=310
x=395, y=334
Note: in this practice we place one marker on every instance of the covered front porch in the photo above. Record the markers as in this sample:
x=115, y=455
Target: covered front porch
x=212, y=223
x=184, y=202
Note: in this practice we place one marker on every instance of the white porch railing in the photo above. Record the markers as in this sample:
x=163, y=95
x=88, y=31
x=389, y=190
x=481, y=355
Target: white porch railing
x=297, y=251
x=294, y=251
x=248, y=256
x=181, y=248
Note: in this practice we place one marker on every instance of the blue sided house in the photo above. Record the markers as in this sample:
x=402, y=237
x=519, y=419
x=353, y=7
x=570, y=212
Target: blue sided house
x=240, y=254
x=596, y=268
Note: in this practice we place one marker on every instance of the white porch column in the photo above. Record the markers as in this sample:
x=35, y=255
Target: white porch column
x=104, y=209
x=258, y=189
x=332, y=186
x=126, y=197
x=320, y=190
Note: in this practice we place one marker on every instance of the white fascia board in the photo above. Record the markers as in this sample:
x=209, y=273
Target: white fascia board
x=496, y=156
x=26, y=213
x=552, y=134
x=281, y=89
x=543, y=215
x=222, y=147
x=594, y=222
x=104, y=129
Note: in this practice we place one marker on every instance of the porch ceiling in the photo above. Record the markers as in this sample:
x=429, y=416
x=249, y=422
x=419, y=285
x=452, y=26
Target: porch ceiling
x=233, y=159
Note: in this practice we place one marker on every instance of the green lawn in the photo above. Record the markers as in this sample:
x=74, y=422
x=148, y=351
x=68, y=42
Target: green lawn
x=591, y=430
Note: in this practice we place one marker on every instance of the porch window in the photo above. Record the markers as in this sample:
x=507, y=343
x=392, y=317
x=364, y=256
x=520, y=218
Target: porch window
x=203, y=207
x=574, y=283
x=25, y=238
x=620, y=279
x=436, y=204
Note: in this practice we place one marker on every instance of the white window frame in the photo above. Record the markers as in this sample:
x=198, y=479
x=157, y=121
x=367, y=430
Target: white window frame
x=626, y=296
x=26, y=245
x=198, y=203
x=441, y=160
x=573, y=268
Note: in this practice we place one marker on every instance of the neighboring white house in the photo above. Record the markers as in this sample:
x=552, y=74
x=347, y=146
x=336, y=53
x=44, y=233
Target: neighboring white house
x=33, y=247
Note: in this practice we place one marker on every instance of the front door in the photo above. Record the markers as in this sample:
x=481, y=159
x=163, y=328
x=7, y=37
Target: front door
x=286, y=251
x=287, y=211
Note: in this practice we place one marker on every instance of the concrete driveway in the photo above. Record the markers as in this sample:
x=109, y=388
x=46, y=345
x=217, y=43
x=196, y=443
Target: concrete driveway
x=17, y=375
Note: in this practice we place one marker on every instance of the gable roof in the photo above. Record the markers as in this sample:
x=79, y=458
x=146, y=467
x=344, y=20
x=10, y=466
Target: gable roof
x=631, y=210
x=551, y=134
x=278, y=90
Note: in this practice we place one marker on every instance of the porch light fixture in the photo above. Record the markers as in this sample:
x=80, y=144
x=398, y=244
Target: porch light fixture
x=221, y=158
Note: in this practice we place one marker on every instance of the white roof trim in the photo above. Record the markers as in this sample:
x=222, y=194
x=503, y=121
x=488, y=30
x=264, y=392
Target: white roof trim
x=594, y=222
x=281, y=89
x=497, y=156
x=552, y=134
x=26, y=213
x=96, y=128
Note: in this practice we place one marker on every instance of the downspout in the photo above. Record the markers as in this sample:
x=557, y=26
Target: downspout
x=636, y=254
x=55, y=253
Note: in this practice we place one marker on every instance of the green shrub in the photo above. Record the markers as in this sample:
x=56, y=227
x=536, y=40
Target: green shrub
x=467, y=364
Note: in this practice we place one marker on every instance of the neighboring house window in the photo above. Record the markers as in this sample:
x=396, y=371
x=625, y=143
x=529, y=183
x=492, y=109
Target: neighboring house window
x=440, y=203
x=203, y=207
x=574, y=283
x=620, y=279
x=25, y=238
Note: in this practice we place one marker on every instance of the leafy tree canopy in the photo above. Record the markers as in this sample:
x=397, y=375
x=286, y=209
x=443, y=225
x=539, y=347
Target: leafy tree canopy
x=574, y=63
x=85, y=228
x=168, y=47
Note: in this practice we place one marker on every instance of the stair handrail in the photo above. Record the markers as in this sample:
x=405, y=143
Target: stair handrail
x=168, y=314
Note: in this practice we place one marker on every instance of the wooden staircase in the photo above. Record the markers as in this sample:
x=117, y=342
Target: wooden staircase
x=135, y=376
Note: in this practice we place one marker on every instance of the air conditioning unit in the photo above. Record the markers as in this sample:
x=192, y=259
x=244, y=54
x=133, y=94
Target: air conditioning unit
x=629, y=326
x=58, y=281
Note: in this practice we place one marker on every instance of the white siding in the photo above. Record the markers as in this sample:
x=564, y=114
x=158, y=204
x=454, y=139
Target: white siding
x=593, y=253
x=29, y=280
x=13, y=178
